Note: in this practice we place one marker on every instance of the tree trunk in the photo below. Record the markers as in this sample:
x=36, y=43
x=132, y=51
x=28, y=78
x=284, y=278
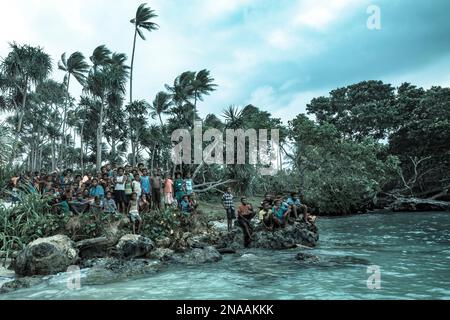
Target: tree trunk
x=66, y=107
x=153, y=157
x=100, y=137
x=40, y=159
x=53, y=156
x=81, y=149
x=132, y=65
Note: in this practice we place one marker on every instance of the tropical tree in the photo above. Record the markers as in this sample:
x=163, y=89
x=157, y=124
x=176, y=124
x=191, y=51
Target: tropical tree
x=202, y=85
x=161, y=106
x=106, y=85
x=77, y=67
x=137, y=119
x=142, y=21
x=24, y=67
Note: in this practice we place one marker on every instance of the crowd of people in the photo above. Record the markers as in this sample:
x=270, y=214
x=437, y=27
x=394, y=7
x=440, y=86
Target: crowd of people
x=274, y=212
x=126, y=190
x=133, y=191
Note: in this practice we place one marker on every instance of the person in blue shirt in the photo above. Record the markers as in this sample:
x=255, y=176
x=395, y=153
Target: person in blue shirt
x=185, y=206
x=297, y=208
x=96, y=190
x=145, y=184
x=280, y=214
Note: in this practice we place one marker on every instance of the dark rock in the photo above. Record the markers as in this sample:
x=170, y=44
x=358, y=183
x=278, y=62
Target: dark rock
x=198, y=256
x=226, y=251
x=421, y=205
x=21, y=283
x=134, y=246
x=46, y=256
x=94, y=248
x=109, y=270
x=161, y=254
x=287, y=238
x=307, y=258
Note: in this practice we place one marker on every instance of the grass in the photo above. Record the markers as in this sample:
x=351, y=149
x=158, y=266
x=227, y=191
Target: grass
x=213, y=207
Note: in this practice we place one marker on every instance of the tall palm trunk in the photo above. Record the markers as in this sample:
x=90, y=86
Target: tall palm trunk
x=100, y=137
x=63, y=145
x=20, y=114
x=81, y=149
x=195, y=110
x=132, y=65
x=53, y=156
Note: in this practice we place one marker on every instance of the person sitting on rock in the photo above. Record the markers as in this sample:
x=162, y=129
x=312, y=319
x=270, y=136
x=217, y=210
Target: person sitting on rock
x=297, y=208
x=185, y=206
x=265, y=216
x=280, y=214
x=193, y=201
x=80, y=205
x=97, y=207
x=133, y=213
x=245, y=215
x=267, y=199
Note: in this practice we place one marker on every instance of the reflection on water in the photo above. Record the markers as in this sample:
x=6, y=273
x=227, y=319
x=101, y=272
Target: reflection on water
x=412, y=251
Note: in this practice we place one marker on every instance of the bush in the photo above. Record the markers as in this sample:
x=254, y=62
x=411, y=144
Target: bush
x=28, y=221
x=160, y=224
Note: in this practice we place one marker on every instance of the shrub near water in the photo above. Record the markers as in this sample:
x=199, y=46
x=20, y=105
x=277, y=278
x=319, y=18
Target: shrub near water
x=28, y=221
x=160, y=224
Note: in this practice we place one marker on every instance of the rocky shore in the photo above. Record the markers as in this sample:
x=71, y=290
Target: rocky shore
x=107, y=259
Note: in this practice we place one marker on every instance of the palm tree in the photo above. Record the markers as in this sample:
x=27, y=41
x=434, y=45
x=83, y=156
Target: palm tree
x=233, y=117
x=106, y=84
x=100, y=57
x=77, y=67
x=24, y=66
x=143, y=18
x=202, y=85
x=161, y=105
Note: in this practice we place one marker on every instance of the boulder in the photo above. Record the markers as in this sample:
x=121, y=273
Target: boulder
x=93, y=248
x=299, y=234
x=307, y=258
x=133, y=246
x=198, y=256
x=420, y=205
x=163, y=242
x=21, y=283
x=46, y=256
x=162, y=254
x=109, y=270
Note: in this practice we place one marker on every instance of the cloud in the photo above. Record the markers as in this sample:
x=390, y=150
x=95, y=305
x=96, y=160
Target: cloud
x=320, y=14
x=274, y=54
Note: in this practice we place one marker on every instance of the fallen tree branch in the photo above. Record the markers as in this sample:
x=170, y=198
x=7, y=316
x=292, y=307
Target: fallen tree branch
x=212, y=186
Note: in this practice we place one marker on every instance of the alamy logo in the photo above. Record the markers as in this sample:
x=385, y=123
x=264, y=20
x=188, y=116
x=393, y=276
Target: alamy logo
x=374, y=20
x=374, y=280
x=261, y=152
x=74, y=278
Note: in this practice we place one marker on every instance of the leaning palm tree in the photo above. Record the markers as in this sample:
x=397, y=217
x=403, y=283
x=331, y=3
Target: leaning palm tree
x=161, y=105
x=100, y=57
x=23, y=67
x=143, y=18
x=77, y=67
x=233, y=117
x=106, y=85
x=202, y=85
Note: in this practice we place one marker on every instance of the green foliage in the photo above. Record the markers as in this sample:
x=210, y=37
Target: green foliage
x=160, y=224
x=337, y=174
x=28, y=221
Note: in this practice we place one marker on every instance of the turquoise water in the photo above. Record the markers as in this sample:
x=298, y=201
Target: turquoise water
x=412, y=251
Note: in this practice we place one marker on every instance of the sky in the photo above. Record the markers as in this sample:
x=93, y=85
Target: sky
x=277, y=55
